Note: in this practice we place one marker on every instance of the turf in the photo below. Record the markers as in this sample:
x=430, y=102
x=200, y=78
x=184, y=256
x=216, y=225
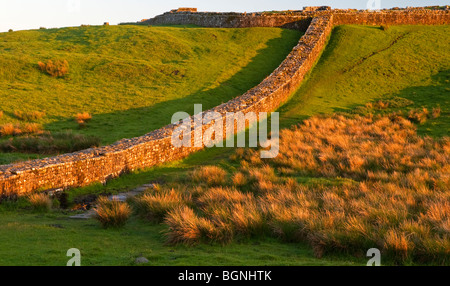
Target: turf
x=43, y=239
x=415, y=67
x=132, y=79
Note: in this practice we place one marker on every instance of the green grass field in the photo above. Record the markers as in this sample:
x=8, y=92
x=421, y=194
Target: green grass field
x=360, y=65
x=131, y=79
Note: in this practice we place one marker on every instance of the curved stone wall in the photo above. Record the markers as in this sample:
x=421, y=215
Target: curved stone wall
x=103, y=163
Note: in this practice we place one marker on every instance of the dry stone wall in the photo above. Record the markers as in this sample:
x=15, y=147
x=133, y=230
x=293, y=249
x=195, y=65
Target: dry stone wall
x=301, y=19
x=233, y=20
x=401, y=17
x=103, y=163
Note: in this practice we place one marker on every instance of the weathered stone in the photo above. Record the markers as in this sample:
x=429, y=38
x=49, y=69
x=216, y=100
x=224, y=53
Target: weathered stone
x=119, y=197
x=141, y=260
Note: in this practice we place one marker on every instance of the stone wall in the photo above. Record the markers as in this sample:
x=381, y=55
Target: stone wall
x=401, y=17
x=233, y=20
x=103, y=163
x=301, y=19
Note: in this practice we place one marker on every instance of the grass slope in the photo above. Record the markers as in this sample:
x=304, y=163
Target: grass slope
x=132, y=78
x=362, y=64
x=427, y=76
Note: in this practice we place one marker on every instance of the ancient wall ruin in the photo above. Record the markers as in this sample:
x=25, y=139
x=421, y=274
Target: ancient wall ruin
x=103, y=163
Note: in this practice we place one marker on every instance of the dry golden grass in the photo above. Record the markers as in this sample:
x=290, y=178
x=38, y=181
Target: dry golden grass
x=155, y=206
x=186, y=227
x=396, y=196
x=239, y=179
x=112, y=213
x=419, y=115
x=82, y=119
x=40, y=202
x=210, y=175
x=32, y=128
x=10, y=129
x=57, y=68
x=29, y=116
x=436, y=113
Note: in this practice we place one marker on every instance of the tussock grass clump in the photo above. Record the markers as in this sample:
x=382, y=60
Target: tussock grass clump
x=155, y=206
x=436, y=113
x=40, y=202
x=188, y=228
x=210, y=175
x=29, y=116
x=56, y=68
x=9, y=129
x=32, y=128
x=239, y=179
x=112, y=213
x=82, y=119
x=419, y=115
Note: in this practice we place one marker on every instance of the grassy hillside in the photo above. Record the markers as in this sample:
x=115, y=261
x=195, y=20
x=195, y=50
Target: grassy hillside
x=359, y=65
x=362, y=64
x=131, y=79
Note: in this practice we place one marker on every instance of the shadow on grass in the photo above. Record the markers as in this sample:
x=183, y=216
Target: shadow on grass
x=433, y=95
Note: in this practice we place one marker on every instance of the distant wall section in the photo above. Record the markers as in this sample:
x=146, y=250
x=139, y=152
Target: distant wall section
x=301, y=19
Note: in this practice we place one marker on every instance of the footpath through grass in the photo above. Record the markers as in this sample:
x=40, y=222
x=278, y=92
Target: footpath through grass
x=360, y=64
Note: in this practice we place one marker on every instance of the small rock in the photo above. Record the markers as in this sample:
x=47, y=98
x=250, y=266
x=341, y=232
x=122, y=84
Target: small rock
x=141, y=260
x=140, y=189
x=119, y=197
x=87, y=215
x=149, y=186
